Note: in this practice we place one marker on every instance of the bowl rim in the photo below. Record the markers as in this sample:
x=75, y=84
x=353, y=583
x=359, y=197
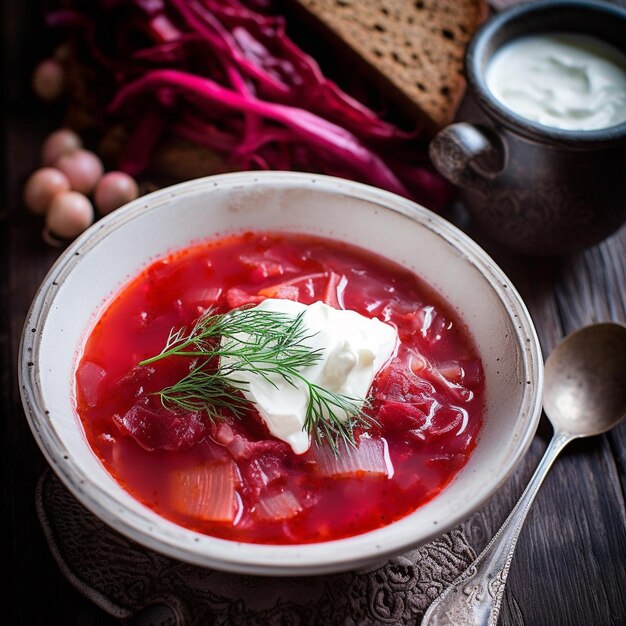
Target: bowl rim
x=203, y=550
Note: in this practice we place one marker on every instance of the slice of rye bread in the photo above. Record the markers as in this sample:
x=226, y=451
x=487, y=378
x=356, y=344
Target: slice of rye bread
x=413, y=50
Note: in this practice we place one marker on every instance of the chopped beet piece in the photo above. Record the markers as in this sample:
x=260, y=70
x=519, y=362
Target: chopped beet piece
x=242, y=448
x=155, y=428
x=401, y=415
x=89, y=378
x=260, y=472
x=397, y=383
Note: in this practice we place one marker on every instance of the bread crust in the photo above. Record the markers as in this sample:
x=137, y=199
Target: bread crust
x=413, y=50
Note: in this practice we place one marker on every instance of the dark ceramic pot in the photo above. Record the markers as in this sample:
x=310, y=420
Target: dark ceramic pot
x=538, y=190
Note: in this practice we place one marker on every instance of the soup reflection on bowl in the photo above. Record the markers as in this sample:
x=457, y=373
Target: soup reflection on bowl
x=217, y=373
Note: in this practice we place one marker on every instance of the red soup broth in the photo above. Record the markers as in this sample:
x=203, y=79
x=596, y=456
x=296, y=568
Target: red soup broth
x=232, y=479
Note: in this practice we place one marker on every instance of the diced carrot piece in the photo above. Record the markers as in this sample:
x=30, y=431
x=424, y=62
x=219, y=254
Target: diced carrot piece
x=205, y=492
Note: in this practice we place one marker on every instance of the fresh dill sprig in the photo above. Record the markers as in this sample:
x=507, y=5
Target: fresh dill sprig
x=322, y=421
x=207, y=391
x=265, y=343
x=271, y=335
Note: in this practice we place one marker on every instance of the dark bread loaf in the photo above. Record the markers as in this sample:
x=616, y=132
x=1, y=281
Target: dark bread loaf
x=414, y=49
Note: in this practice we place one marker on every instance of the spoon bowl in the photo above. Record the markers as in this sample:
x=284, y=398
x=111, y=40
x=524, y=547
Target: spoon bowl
x=584, y=392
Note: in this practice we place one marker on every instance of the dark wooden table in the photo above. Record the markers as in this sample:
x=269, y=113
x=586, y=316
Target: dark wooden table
x=570, y=565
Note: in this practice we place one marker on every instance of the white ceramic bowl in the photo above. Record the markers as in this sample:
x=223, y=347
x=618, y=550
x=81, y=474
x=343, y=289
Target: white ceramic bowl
x=117, y=247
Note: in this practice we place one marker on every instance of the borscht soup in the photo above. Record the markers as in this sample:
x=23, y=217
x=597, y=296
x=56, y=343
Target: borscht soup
x=280, y=388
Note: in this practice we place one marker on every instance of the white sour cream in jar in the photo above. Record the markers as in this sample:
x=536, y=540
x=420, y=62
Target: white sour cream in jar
x=563, y=80
x=354, y=348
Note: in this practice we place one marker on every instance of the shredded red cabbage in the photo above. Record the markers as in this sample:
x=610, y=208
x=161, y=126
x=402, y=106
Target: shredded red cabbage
x=226, y=76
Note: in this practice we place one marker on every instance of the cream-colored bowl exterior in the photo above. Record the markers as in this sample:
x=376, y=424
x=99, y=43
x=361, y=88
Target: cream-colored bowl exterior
x=90, y=272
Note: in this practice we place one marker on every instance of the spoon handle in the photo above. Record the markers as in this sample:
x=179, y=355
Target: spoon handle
x=475, y=597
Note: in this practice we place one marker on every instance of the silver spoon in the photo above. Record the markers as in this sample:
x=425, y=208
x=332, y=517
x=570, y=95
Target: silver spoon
x=584, y=394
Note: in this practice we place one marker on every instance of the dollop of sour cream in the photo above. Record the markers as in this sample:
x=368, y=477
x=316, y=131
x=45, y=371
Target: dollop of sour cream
x=354, y=348
x=563, y=80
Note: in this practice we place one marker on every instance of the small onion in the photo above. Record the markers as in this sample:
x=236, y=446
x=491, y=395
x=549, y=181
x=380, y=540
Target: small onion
x=42, y=186
x=113, y=190
x=69, y=214
x=49, y=79
x=58, y=143
x=82, y=168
